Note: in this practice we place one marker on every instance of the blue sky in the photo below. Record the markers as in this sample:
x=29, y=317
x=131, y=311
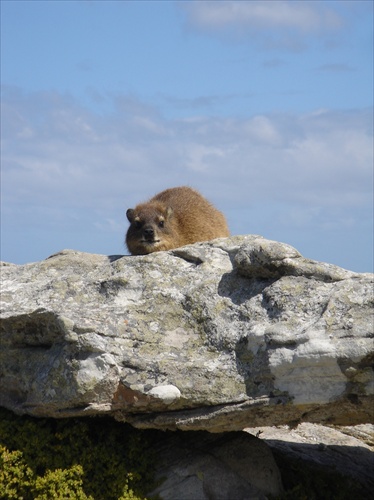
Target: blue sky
x=264, y=106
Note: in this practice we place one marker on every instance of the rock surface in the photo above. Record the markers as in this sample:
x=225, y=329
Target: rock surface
x=219, y=336
x=202, y=466
x=347, y=450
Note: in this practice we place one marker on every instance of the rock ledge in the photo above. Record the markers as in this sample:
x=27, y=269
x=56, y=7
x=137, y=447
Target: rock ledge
x=219, y=336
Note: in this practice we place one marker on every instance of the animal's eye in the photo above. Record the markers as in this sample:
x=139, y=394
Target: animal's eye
x=161, y=223
x=137, y=224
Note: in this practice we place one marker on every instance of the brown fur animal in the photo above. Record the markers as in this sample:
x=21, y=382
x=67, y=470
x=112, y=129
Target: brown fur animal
x=173, y=218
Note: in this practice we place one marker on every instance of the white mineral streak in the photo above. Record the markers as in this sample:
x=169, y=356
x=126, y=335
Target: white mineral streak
x=220, y=335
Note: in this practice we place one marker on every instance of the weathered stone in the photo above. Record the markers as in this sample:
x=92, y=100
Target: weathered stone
x=202, y=466
x=215, y=336
x=337, y=449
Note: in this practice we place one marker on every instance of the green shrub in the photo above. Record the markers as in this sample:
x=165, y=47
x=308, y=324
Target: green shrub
x=83, y=459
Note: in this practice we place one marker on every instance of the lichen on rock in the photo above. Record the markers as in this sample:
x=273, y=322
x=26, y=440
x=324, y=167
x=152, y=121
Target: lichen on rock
x=214, y=336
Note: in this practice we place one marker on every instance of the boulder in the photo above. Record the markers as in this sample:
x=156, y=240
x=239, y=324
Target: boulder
x=218, y=336
x=345, y=450
x=201, y=466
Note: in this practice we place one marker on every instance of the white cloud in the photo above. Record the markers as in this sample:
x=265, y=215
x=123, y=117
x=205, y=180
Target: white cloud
x=199, y=157
x=58, y=152
x=300, y=15
x=280, y=23
x=66, y=167
x=262, y=130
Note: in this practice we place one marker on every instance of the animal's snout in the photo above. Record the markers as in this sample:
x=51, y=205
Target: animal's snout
x=148, y=233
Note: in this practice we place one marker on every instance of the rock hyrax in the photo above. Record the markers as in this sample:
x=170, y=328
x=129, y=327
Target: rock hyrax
x=176, y=217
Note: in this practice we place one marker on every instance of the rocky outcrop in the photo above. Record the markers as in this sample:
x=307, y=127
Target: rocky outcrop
x=219, y=336
x=346, y=450
x=202, y=466
x=323, y=462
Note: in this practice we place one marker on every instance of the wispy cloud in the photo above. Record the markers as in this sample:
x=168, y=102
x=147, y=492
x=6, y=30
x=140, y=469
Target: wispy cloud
x=57, y=151
x=283, y=23
x=71, y=172
x=336, y=68
x=302, y=16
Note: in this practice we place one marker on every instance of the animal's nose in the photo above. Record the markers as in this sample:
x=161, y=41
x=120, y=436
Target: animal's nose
x=148, y=232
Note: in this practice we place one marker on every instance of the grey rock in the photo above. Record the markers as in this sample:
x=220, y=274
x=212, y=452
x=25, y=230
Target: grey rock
x=202, y=466
x=347, y=450
x=219, y=336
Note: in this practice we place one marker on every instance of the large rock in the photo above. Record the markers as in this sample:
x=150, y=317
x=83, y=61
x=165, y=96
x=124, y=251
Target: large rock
x=346, y=450
x=219, y=336
x=205, y=466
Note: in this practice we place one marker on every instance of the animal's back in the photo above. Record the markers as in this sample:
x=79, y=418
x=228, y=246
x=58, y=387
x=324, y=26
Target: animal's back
x=173, y=218
x=198, y=219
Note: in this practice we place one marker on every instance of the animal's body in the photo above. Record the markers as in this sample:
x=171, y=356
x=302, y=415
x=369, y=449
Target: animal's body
x=173, y=218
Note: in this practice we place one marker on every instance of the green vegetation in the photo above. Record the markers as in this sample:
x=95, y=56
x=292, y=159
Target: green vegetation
x=101, y=459
x=83, y=459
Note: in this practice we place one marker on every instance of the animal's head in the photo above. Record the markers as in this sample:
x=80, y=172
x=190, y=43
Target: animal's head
x=150, y=228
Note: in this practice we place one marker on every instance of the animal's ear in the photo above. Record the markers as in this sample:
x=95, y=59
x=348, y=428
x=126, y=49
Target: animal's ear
x=130, y=214
x=169, y=212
